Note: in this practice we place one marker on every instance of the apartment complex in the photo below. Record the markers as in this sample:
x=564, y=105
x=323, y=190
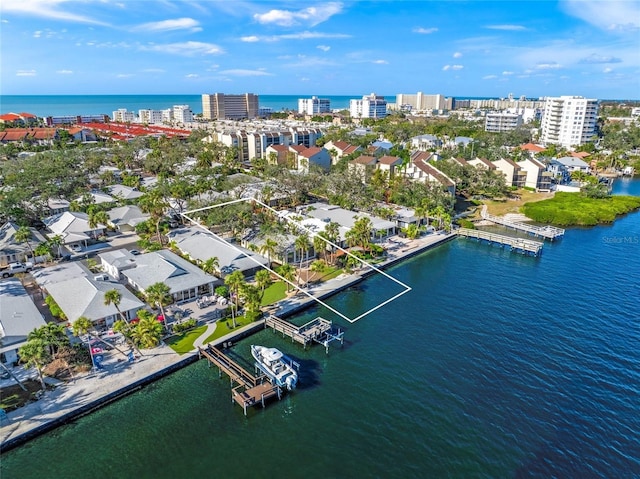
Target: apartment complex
x=314, y=105
x=569, y=121
x=422, y=102
x=372, y=106
x=182, y=114
x=497, y=122
x=219, y=106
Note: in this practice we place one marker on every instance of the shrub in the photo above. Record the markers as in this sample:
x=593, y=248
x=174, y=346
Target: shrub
x=466, y=224
x=185, y=326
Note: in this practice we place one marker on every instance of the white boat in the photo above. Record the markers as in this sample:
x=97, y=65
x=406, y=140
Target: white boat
x=274, y=364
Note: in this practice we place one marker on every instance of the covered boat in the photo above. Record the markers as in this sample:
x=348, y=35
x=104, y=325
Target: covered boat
x=275, y=365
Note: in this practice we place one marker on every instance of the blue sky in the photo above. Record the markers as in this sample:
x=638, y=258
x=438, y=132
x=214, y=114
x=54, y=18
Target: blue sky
x=456, y=48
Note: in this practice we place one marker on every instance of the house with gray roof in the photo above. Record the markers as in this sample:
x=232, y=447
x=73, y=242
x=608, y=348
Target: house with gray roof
x=115, y=261
x=185, y=280
x=126, y=218
x=201, y=245
x=332, y=213
x=79, y=292
x=12, y=250
x=73, y=227
x=19, y=317
x=124, y=192
x=571, y=163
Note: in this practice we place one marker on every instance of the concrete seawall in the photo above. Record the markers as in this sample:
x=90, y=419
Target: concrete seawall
x=60, y=407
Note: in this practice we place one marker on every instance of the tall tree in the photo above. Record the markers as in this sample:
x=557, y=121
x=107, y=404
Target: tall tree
x=211, y=266
x=84, y=326
x=269, y=247
x=153, y=203
x=235, y=281
x=159, y=294
x=263, y=280
x=303, y=245
x=113, y=296
x=148, y=332
x=35, y=353
x=23, y=235
x=288, y=272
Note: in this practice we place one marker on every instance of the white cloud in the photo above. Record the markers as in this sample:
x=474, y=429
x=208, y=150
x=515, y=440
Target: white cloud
x=380, y=62
x=4, y=21
x=124, y=75
x=452, y=67
x=595, y=58
x=506, y=72
x=306, y=35
x=168, y=25
x=457, y=55
x=548, y=66
x=245, y=73
x=153, y=70
x=45, y=8
x=64, y=72
x=191, y=75
x=490, y=77
x=607, y=70
x=26, y=73
x=425, y=31
x=612, y=15
x=308, y=16
x=37, y=34
x=446, y=67
x=511, y=28
x=185, y=48
x=324, y=48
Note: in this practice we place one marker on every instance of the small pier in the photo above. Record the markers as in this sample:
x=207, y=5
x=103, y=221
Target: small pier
x=518, y=245
x=250, y=390
x=317, y=330
x=545, y=232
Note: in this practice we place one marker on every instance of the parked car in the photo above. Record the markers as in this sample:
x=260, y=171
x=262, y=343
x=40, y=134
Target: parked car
x=15, y=268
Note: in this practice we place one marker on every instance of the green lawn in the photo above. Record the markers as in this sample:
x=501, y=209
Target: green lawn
x=225, y=326
x=575, y=209
x=183, y=343
x=273, y=293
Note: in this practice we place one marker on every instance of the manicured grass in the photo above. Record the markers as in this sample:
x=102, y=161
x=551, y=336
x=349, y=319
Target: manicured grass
x=500, y=208
x=183, y=343
x=575, y=209
x=225, y=326
x=330, y=273
x=276, y=292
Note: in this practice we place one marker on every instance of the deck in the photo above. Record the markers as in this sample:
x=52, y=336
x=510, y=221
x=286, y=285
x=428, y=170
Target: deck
x=518, y=245
x=250, y=390
x=546, y=232
x=317, y=330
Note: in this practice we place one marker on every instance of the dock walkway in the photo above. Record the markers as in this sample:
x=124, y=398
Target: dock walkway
x=519, y=245
x=317, y=330
x=250, y=390
x=546, y=232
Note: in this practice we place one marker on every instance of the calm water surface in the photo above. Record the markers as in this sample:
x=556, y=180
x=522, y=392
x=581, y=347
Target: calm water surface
x=494, y=365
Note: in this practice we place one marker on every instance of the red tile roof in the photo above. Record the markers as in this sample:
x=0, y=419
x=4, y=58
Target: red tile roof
x=532, y=147
x=390, y=160
x=364, y=160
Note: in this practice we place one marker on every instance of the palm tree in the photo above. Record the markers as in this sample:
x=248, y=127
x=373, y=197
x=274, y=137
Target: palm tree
x=211, y=266
x=332, y=234
x=56, y=241
x=23, y=235
x=318, y=266
x=97, y=218
x=44, y=249
x=263, y=280
x=148, y=332
x=154, y=203
x=53, y=335
x=302, y=244
x=159, y=294
x=113, y=296
x=269, y=247
x=360, y=233
x=288, y=272
x=35, y=353
x=252, y=297
x=235, y=281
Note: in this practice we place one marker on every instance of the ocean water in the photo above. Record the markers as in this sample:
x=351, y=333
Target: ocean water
x=58, y=105
x=495, y=365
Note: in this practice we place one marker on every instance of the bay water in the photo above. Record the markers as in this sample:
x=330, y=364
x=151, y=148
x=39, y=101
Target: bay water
x=494, y=365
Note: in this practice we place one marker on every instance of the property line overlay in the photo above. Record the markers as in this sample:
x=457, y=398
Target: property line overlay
x=188, y=215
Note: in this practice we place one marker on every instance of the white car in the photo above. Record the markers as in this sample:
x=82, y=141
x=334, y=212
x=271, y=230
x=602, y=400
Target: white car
x=76, y=248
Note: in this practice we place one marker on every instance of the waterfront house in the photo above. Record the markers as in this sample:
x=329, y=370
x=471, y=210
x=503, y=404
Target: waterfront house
x=200, y=246
x=574, y=164
x=381, y=228
x=185, y=280
x=12, y=251
x=537, y=175
x=79, y=292
x=20, y=316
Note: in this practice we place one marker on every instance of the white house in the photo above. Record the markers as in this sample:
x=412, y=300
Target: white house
x=73, y=227
x=11, y=250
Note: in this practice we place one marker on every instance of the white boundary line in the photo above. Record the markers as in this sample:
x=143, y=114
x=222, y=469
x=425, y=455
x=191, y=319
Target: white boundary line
x=312, y=234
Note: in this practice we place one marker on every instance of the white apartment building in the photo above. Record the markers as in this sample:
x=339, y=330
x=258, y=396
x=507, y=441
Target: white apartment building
x=569, y=121
x=314, y=105
x=150, y=117
x=496, y=122
x=231, y=107
x=122, y=115
x=422, y=102
x=182, y=114
x=372, y=106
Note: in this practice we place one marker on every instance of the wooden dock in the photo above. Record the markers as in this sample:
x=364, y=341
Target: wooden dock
x=518, y=245
x=546, y=232
x=317, y=330
x=250, y=390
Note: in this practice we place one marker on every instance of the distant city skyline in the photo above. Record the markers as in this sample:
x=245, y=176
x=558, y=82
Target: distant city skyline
x=454, y=48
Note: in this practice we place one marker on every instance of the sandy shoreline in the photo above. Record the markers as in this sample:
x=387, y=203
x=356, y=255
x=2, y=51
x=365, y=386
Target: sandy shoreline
x=90, y=391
